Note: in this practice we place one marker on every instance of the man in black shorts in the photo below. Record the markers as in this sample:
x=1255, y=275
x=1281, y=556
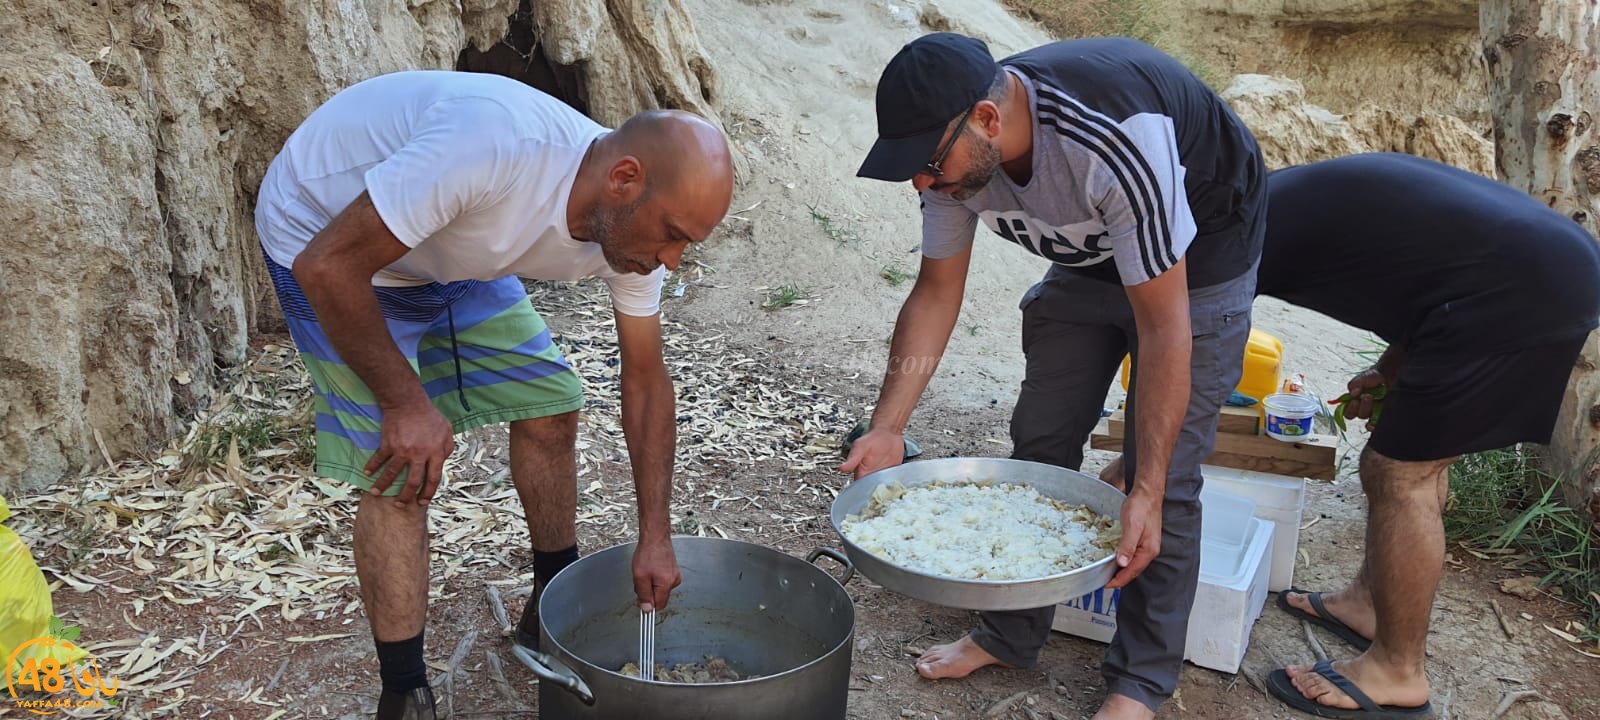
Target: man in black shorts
x=1485, y=297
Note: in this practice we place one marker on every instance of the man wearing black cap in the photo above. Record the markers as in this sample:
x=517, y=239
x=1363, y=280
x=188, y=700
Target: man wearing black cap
x=1144, y=190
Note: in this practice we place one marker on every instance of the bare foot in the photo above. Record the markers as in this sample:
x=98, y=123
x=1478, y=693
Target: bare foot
x=1122, y=707
x=1355, y=614
x=954, y=660
x=1383, y=685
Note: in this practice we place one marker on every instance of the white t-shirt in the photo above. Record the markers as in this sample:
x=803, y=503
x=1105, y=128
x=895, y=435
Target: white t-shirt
x=472, y=171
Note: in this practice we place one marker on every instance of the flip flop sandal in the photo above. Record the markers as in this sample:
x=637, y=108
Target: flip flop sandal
x=1282, y=688
x=1322, y=619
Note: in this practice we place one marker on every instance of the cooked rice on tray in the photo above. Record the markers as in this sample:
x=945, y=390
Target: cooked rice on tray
x=980, y=531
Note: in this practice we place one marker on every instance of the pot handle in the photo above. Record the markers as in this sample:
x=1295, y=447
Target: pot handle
x=549, y=668
x=849, y=567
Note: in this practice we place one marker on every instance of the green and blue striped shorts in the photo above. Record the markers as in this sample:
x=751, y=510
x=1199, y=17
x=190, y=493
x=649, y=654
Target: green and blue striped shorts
x=480, y=350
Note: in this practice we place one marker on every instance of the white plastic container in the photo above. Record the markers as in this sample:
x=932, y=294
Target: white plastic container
x=1278, y=498
x=1289, y=416
x=1234, y=548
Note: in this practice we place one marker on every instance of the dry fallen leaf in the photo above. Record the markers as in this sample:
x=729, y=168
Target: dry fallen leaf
x=1525, y=587
x=1569, y=637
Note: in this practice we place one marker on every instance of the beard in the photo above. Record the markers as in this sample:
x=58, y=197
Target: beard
x=607, y=227
x=985, y=162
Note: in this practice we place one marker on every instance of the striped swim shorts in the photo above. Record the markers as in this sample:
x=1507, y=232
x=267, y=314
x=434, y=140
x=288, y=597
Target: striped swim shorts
x=480, y=350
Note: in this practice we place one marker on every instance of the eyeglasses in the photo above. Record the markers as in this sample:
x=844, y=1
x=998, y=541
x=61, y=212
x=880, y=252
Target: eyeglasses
x=932, y=168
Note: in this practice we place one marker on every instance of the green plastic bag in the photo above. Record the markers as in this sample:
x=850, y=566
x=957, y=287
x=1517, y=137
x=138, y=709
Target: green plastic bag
x=25, y=609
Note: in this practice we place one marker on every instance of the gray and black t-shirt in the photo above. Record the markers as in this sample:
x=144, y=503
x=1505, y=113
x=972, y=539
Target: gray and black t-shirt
x=1134, y=158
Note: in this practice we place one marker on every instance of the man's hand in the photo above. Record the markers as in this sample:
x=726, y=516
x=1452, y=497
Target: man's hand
x=1367, y=390
x=416, y=438
x=874, y=451
x=655, y=573
x=1141, y=537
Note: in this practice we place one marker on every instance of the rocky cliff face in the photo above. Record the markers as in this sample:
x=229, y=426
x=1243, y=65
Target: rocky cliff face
x=1292, y=131
x=133, y=136
x=1416, y=55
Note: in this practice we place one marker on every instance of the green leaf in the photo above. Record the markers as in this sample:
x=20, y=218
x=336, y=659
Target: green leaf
x=70, y=633
x=1337, y=412
x=55, y=626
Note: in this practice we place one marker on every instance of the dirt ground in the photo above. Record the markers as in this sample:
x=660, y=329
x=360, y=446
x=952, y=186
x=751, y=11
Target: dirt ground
x=261, y=674
x=796, y=79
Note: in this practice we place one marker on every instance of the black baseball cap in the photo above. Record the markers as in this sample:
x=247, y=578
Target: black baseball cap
x=931, y=81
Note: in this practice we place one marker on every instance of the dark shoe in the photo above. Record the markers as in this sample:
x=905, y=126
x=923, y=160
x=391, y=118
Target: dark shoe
x=527, y=633
x=416, y=704
x=1322, y=619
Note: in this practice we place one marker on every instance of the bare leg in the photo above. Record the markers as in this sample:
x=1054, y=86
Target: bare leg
x=1113, y=474
x=1404, y=558
x=391, y=546
x=544, y=469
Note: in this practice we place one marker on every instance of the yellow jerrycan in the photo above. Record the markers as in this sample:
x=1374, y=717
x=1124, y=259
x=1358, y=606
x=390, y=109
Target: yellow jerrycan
x=1263, y=366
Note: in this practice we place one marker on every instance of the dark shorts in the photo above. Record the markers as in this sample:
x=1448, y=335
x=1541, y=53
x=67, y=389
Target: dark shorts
x=1442, y=408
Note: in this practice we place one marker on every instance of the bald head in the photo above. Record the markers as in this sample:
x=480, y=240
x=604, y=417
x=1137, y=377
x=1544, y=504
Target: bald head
x=683, y=155
x=645, y=191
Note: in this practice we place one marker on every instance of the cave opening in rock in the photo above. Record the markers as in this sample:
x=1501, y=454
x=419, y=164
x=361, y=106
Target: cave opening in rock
x=520, y=56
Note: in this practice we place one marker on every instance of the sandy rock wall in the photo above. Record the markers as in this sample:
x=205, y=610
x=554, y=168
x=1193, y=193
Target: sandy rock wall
x=1421, y=55
x=608, y=58
x=132, y=138
x=1293, y=131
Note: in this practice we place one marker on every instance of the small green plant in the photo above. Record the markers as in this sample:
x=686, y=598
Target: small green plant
x=973, y=328
x=61, y=631
x=254, y=433
x=81, y=542
x=840, y=234
x=783, y=296
x=895, y=274
x=1370, y=354
x=1499, y=500
x=276, y=551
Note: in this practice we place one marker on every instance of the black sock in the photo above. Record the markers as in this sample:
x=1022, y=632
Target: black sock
x=547, y=564
x=400, y=665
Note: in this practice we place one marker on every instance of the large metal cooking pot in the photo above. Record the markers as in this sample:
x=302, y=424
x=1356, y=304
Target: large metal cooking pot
x=1049, y=480
x=765, y=612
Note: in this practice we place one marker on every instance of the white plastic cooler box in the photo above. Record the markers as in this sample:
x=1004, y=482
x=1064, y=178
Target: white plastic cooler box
x=1278, y=498
x=1235, y=552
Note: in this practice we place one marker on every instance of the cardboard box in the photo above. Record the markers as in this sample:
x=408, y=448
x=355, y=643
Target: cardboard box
x=1278, y=498
x=1234, y=551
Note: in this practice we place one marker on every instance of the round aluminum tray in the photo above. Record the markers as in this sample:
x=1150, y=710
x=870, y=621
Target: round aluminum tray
x=1049, y=480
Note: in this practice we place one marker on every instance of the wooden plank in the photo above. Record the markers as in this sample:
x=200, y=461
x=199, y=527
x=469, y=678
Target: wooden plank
x=1275, y=466
x=1239, y=420
x=1233, y=420
x=1313, y=449
x=1315, y=457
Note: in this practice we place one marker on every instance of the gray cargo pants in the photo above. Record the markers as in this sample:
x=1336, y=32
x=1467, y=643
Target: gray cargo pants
x=1075, y=332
